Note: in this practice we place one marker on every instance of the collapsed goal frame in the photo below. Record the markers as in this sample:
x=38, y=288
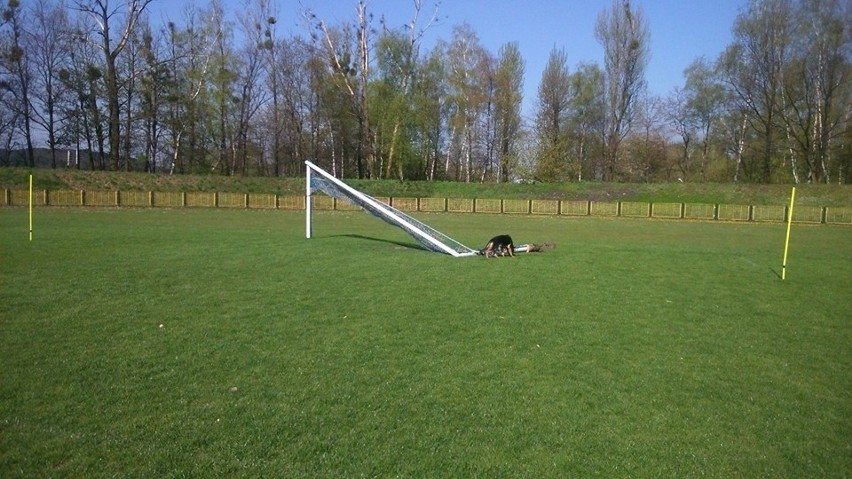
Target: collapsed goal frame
x=317, y=179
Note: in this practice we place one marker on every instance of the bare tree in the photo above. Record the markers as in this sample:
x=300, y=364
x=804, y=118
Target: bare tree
x=469, y=66
x=753, y=69
x=586, y=113
x=704, y=96
x=814, y=83
x=193, y=78
x=249, y=96
x=508, y=98
x=646, y=156
x=351, y=77
x=18, y=72
x=297, y=118
x=271, y=47
x=131, y=66
x=403, y=60
x=221, y=91
x=432, y=87
x=681, y=120
x=551, y=123
x=154, y=86
x=49, y=53
x=623, y=33
x=81, y=76
x=105, y=17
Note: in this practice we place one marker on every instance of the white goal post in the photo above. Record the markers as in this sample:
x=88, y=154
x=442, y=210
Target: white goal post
x=428, y=237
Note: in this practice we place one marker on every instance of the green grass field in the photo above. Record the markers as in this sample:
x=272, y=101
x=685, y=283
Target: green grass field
x=222, y=343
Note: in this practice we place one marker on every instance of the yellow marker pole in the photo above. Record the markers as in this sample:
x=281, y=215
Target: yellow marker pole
x=787, y=240
x=31, y=207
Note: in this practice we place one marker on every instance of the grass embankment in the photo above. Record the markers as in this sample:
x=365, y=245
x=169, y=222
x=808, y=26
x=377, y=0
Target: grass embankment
x=712, y=193
x=222, y=343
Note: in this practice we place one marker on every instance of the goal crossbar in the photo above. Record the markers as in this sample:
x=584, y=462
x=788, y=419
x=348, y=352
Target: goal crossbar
x=426, y=236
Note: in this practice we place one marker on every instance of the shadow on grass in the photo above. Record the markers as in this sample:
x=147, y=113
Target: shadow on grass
x=404, y=244
x=775, y=271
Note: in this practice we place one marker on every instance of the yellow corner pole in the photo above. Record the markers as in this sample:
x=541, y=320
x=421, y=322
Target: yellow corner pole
x=787, y=240
x=31, y=207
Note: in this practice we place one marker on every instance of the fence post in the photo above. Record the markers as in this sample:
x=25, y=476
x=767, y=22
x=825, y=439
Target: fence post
x=7, y=197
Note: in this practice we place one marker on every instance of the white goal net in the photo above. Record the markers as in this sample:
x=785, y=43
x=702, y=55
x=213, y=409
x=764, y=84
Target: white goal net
x=428, y=237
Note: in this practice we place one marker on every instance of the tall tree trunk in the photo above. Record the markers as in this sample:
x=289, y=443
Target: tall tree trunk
x=102, y=14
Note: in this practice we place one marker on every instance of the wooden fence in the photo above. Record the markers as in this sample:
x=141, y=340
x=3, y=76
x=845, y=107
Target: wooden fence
x=632, y=209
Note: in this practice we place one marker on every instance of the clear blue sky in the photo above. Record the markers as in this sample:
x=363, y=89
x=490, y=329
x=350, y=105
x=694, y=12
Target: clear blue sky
x=681, y=30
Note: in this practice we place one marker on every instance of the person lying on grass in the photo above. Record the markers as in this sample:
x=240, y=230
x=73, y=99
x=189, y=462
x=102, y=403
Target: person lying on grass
x=502, y=245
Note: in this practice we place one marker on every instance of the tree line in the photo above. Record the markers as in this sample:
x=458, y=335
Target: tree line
x=213, y=93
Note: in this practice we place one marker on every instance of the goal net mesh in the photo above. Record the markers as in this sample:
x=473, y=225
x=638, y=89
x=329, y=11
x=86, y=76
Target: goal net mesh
x=428, y=237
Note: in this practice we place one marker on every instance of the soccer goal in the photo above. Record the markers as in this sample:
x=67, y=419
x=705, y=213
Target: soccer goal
x=318, y=179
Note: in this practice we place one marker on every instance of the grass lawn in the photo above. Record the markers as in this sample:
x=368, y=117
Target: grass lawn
x=222, y=343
